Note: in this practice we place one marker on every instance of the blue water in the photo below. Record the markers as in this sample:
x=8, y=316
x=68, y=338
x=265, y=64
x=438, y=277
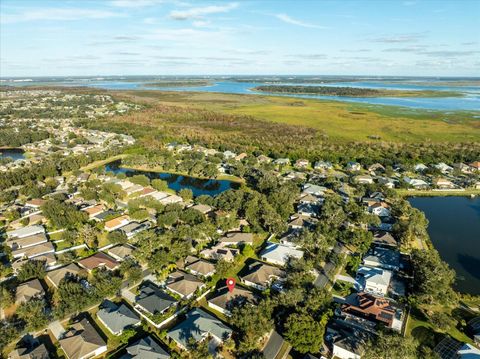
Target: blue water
x=470, y=102
x=13, y=153
x=454, y=228
x=198, y=186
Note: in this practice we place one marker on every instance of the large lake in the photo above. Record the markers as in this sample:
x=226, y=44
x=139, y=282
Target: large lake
x=470, y=101
x=198, y=186
x=455, y=232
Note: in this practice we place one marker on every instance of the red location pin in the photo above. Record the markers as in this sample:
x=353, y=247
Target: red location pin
x=230, y=284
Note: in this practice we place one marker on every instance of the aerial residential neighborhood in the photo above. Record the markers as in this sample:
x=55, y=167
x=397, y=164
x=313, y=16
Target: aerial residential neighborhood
x=239, y=179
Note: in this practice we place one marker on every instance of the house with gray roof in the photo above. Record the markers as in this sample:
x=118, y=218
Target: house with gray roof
x=279, y=254
x=383, y=258
x=199, y=325
x=145, y=348
x=117, y=317
x=153, y=299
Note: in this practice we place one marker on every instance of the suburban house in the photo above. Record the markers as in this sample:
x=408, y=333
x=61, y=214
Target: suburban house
x=322, y=165
x=374, y=280
x=282, y=161
x=99, y=260
x=29, y=290
x=313, y=189
x=363, y=179
x=33, y=251
x=202, y=208
x=201, y=267
x=26, y=232
x=416, y=183
x=220, y=251
x=376, y=167
x=348, y=347
x=475, y=165
x=133, y=228
x=279, y=254
x=301, y=163
x=116, y=223
x=383, y=258
x=261, y=275
x=145, y=348
x=121, y=252
x=30, y=349
x=82, y=341
x=420, y=167
x=25, y=242
x=56, y=276
x=183, y=284
x=93, y=211
x=379, y=209
x=384, y=238
x=443, y=167
x=308, y=209
x=117, y=317
x=225, y=300
x=199, y=325
x=443, y=183
x=48, y=258
x=153, y=299
x=264, y=159
x=353, y=166
x=35, y=203
x=237, y=238
x=376, y=309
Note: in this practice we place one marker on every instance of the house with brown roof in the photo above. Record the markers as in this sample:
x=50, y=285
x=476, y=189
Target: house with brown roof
x=220, y=251
x=202, y=208
x=56, y=276
x=25, y=242
x=475, y=165
x=116, y=223
x=34, y=251
x=35, y=203
x=224, y=300
x=99, y=260
x=82, y=341
x=260, y=275
x=237, y=238
x=202, y=268
x=373, y=308
x=183, y=284
x=384, y=238
x=94, y=211
x=443, y=183
x=29, y=290
x=121, y=252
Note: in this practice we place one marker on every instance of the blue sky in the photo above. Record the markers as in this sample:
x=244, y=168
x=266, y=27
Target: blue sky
x=162, y=37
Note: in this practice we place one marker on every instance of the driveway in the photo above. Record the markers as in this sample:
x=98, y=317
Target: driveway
x=345, y=278
x=129, y=296
x=56, y=329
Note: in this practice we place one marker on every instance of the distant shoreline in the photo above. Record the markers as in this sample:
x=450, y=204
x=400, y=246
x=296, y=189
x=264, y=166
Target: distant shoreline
x=352, y=91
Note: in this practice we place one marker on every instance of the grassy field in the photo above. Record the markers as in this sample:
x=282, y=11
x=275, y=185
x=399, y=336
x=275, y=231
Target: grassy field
x=340, y=121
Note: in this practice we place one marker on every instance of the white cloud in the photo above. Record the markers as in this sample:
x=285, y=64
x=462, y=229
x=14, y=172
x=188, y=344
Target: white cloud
x=57, y=14
x=198, y=12
x=134, y=3
x=290, y=20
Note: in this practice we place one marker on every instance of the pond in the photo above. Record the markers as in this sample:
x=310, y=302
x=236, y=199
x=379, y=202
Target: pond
x=199, y=186
x=13, y=153
x=455, y=232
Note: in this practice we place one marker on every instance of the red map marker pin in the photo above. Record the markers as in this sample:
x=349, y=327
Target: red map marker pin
x=230, y=284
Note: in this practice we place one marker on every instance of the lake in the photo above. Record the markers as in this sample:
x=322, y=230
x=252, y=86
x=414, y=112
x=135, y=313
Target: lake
x=470, y=101
x=199, y=186
x=13, y=153
x=455, y=232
